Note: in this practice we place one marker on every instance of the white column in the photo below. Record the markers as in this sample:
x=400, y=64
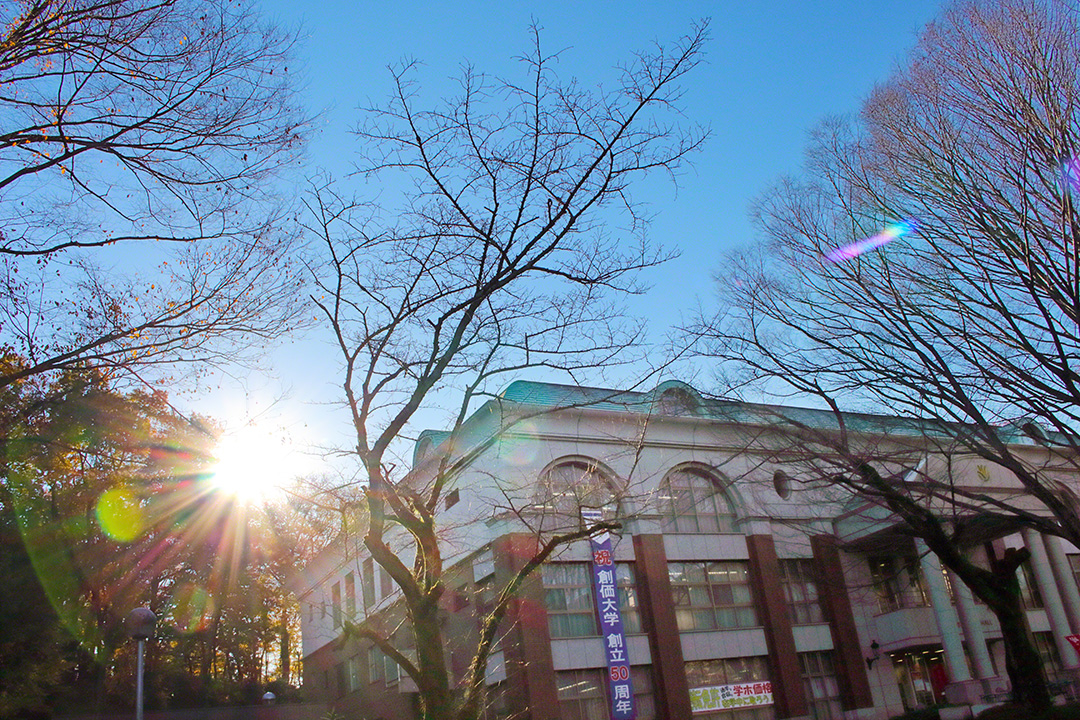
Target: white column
x=973, y=630
x=944, y=613
x=1066, y=581
x=1055, y=610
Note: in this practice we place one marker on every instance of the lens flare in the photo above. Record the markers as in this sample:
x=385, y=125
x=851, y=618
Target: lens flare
x=120, y=514
x=517, y=450
x=192, y=608
x=890, y=233
x=1071, y=173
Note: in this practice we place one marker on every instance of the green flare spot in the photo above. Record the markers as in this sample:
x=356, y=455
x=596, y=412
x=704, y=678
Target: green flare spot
x=120, y=515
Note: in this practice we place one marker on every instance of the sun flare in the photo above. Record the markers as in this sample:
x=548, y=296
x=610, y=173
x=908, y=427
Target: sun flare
x=254, y=463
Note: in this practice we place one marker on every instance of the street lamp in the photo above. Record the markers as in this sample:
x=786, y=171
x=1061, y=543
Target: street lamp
x=141, y=627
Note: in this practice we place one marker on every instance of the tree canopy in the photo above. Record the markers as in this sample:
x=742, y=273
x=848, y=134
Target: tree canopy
x=961, y=171
x=926, y=263
x=150, y=128
x=106, y=505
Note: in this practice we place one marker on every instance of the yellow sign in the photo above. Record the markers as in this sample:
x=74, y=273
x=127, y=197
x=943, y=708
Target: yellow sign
x=730, y=697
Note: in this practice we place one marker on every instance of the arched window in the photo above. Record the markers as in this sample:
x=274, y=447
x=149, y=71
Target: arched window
x=573, y=486
x=692, y=502
x=677, y=401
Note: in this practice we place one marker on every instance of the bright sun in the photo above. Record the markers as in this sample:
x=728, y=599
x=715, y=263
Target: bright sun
x=255, y=463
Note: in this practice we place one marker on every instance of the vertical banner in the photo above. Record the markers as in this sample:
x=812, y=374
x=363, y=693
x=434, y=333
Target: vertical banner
x=606, y=592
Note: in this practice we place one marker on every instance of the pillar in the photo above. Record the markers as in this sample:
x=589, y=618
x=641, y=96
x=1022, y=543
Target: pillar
x=944, y=613
x=788, y=694
x=1055, y=610
x=530, y=671
x=836, y=607
x=658, y=618
x=973, y=630
x=1066, y=581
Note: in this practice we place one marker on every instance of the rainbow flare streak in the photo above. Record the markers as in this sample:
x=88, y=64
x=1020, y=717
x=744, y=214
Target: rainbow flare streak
x=890, y=233
x=1071, y=171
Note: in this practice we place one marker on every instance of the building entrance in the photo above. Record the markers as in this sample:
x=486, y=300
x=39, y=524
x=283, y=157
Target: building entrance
x=921, y=677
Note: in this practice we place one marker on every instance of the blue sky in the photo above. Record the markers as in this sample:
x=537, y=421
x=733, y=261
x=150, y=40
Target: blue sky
x=773, y=70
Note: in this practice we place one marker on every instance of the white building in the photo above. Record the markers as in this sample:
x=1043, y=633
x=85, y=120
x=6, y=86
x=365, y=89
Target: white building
x=734, y=571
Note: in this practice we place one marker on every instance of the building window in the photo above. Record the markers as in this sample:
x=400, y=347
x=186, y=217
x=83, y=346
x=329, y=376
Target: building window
x=354, y=673
x=820, y=683
x=799, y=580
x=337, y=604
x=375, y=664
x=368, y=581
x=1074, y=564
x=948, y=584
x=628, y=602
x=386, y=584
x=730, y=671
x=350, y=596
x=782, y=484
x=341, y=674
x=1030, y=597
x=568, y=596
x=692, y=502
x=497, y=702
x=1048, y=653
x=713, y=595
x=898, y=582
x=391, y=670
x=644, y=695
x=583, y=694
x=570, y=487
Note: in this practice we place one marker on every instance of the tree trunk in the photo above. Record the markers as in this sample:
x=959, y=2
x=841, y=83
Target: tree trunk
x=437, y=703
x=1000, y=590
x=1022, y=662
x=286, y=669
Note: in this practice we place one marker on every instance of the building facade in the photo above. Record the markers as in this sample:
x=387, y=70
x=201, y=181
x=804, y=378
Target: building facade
x=747, y=590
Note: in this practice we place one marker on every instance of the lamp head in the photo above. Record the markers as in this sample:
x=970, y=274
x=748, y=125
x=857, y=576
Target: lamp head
x=141, y=622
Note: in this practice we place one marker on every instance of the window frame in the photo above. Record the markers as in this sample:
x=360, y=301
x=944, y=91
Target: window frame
x=682, y=503
x=367, y=582
x=727, y=671
x=640, y=677
x=561, y=497
x=626, y=587
x=350, y=595
x=892, y=594
x=695, y=581
x=815, y=676
x=565, y=599
x=799, y=576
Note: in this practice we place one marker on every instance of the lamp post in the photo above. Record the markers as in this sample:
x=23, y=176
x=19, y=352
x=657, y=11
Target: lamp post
x=141, y=627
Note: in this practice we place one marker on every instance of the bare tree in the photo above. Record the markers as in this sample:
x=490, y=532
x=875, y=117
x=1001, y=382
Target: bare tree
x=128, y=121
x=966, y=159
x=499, y=261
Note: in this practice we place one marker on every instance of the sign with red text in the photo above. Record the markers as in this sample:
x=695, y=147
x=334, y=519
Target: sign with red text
x=730, y=697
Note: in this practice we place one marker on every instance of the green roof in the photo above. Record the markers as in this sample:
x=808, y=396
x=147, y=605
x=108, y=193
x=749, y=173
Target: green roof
x=688, y=402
